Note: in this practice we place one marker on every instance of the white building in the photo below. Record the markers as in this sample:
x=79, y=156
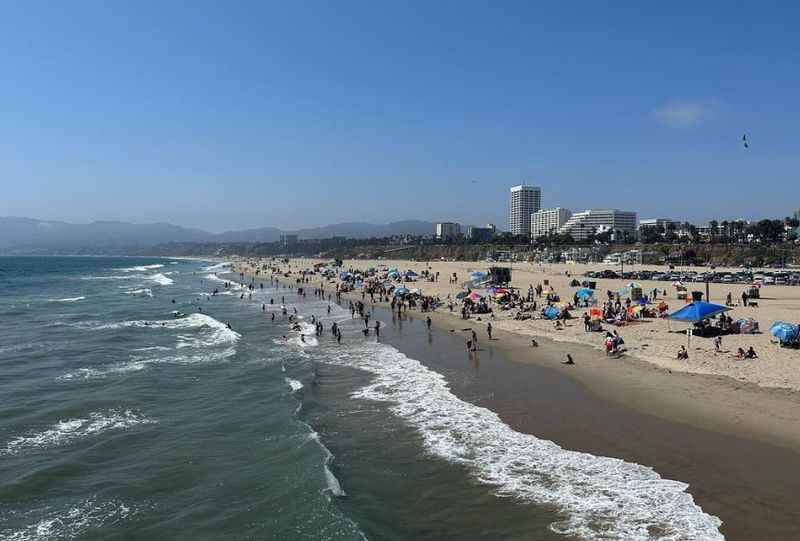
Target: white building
x=593, y=221
x=660, y=224
x=547, y=221
x=447, y=230
x=524, y=201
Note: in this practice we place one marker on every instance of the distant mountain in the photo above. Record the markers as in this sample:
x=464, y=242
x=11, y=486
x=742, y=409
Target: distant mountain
x=362, y=230
x=27, y=232
x=26, y=235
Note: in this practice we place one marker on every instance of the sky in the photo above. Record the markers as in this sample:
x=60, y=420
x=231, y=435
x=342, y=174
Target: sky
x=229, y=115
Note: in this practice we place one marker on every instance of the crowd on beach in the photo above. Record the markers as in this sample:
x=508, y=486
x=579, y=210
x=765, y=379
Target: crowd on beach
x=546, y=306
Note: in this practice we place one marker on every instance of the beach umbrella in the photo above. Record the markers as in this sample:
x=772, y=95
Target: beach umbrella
x=631, y=285
x=584, y=292
x=474, y=296
x=392, y=269
x=698, y=311
x=400, y=291
x=785, y=332
x=411, y=273
x=491, y=290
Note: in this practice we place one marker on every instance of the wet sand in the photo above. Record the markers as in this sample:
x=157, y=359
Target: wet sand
x=748, y=484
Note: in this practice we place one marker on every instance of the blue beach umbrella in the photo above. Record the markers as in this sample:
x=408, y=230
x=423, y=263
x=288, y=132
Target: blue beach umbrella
x=698, y=311
x=785, y=332
x=400, y=291
x=411, y=273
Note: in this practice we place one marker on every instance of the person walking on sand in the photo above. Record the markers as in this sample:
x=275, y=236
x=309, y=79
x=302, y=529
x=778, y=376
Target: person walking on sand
x=489, y=329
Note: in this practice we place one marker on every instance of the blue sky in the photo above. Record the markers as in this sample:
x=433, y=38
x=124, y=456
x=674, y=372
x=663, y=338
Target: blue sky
x=226, y=115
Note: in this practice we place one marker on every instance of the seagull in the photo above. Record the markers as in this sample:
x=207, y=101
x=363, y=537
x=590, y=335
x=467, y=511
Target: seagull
x=744, y=141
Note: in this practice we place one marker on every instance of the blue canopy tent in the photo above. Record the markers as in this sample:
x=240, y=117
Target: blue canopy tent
x=698, y=311
x=584, y=292
x=786, y=333
x=551, y=312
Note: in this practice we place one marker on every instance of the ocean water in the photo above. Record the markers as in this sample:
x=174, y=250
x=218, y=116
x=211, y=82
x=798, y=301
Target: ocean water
x=130, y=410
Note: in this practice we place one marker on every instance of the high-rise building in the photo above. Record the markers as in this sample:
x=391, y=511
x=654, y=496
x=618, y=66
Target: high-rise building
x=547, y=221
x=593, y=221
x=481, y=234
x=447, y=230
x=524, y=201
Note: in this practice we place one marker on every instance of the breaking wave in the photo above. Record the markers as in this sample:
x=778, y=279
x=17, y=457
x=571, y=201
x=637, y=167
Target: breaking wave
x=69, y=430
x=601, y=497
x=71, y=523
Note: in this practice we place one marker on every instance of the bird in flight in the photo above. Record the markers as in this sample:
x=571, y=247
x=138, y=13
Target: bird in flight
x=744, y=141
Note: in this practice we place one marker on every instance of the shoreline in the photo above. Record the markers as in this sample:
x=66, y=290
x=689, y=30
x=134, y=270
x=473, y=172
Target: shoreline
x=717, y=403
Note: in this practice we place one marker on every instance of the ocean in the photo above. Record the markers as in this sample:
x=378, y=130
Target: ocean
x=135, y=404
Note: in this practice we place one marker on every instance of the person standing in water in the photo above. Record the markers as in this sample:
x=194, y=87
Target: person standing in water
x=489, y=329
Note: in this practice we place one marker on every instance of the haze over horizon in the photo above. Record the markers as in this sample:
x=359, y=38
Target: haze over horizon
x=294, y=115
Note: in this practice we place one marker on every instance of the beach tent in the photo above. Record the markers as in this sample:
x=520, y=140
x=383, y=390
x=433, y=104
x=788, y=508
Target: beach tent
x=551, y=312
x=584, y=292
x=747, y=325
x=785, y=332
x=698, y=311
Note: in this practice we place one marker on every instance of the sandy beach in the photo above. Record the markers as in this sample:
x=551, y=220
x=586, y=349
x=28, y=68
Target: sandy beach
x=716, y=391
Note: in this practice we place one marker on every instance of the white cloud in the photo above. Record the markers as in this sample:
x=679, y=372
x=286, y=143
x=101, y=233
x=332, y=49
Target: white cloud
x=682, y=113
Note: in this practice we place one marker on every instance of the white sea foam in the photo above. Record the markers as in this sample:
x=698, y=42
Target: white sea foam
x=71, y=523
x=600, y=497
x=141, y=292
x=117, y=277
x=143, y=363
x=214, y=332
x=68, y=299
x=294, y=384
x=160, y=279
x=140, y=268
x=66, y=431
